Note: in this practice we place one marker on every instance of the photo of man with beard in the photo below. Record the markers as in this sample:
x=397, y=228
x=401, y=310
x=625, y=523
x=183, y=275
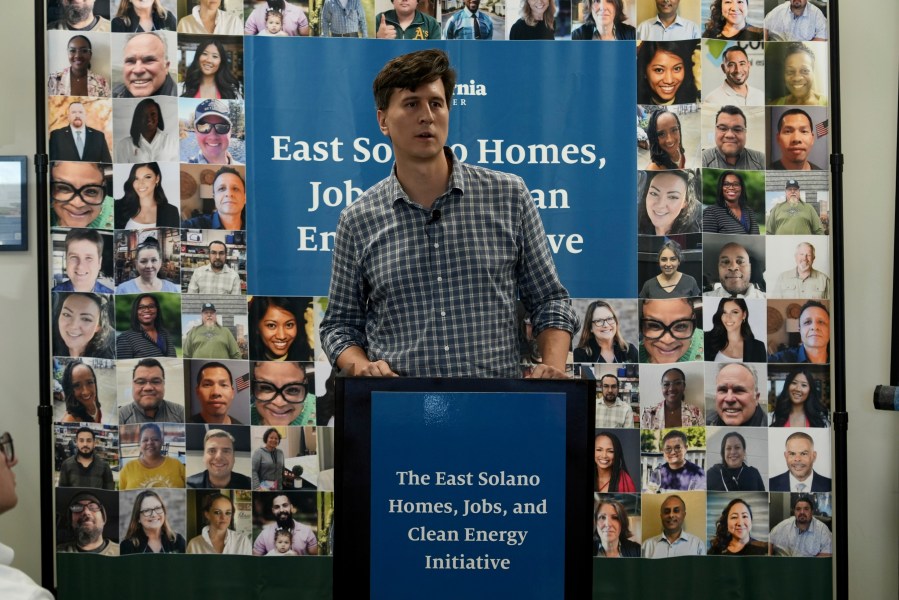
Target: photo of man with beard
x=84, y=517
x=276, y=510
x=84, y=469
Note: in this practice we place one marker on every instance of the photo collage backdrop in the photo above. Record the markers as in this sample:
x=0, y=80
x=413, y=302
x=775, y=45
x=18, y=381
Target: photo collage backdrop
x=183, y=405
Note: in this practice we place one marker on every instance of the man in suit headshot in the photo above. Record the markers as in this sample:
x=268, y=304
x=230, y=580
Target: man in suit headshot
x=800, y=476
x=77, y=141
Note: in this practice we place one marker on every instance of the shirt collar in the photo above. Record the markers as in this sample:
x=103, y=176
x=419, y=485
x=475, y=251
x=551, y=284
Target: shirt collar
x=456, y=181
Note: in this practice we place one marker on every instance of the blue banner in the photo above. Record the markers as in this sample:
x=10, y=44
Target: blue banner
x=314, y=147
x=467, y=494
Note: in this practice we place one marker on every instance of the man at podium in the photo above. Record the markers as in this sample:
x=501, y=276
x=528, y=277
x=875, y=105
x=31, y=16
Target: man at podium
x=429, y=262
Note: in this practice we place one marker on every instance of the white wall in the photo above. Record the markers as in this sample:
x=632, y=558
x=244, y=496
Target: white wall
x=870, y=63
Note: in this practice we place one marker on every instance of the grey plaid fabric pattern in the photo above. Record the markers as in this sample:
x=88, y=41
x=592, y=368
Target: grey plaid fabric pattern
x=437, y=297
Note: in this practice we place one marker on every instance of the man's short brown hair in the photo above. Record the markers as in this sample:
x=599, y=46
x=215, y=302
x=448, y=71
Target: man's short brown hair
x=409, y=71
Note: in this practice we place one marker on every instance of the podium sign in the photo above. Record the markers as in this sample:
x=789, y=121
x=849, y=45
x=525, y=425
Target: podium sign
x=475, y=486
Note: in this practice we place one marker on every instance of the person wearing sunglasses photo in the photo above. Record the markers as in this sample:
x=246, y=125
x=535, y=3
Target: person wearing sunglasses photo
x=212, y=127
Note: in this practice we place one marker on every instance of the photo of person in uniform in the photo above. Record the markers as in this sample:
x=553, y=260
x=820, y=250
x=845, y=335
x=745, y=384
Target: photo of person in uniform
x=468, y=23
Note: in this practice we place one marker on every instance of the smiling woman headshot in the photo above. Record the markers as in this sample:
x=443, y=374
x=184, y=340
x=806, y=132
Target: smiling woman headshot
x=537, y=21
x=665, y=73
x=78, y=195
x=279, y=328
x=209, y=75
x=668, y=203
x=82, y=325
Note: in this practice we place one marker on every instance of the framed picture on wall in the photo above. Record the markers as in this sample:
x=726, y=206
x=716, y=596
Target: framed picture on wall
x=13, y=204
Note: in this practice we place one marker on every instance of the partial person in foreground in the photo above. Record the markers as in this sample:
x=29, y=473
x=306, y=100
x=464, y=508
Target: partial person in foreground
x=378, y=322
x=13, y=582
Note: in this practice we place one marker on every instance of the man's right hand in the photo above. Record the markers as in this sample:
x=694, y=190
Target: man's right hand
x=379, y=368
x=386, y=32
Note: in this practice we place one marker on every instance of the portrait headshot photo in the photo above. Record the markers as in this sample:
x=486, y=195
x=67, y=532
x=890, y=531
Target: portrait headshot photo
x=737, y=523
x=673, y=459
x=155, y=386
x=210, y=67
x=80, y=194
x=86, y=454
x=797, y=138
x=83, y=325
x=733, y=21
x=734, y=201
x=146, y=194
x=84, y=262
x=225, y=17
x=668, y=202
x=80, y=386
x=735, y=330
x=799, y=459
x=666, y=270
x=679, y=529
x=537, y=20
x=215, y=131
x=733, y=137
x=737, y=459
x=608, y=333
x=733, y=73
x=214, y=326
x=671, y=330
x=87, y=521
x=144, y=64
x=216, y=514
x=78, y=63
x=666, y=72
x=799, y=331
x=283, y=511
x=608, y=21
x=152, y=521
x=80, y=128
x=796, y=20
x=148, y=325
x=218, y=456
x=280, y=328
x=617, y=394
x=148, y=260
x=668, y=20
x=801, y=524
x=129, y=16
x=146, y=130
x=733, y=266
x=672, y=137
x=153, y=456
x=214, y=262
x=798, y=267
x=796, y=73
x=80, y=16
x=617, y=526
x=201, y=203
x=284, y=393
x=671, y=396
x=258, y=15
x=797, y=205
x=219, y=391
x=799, y=395
x=460, y=24
x=734, y=394
x=616, y=460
